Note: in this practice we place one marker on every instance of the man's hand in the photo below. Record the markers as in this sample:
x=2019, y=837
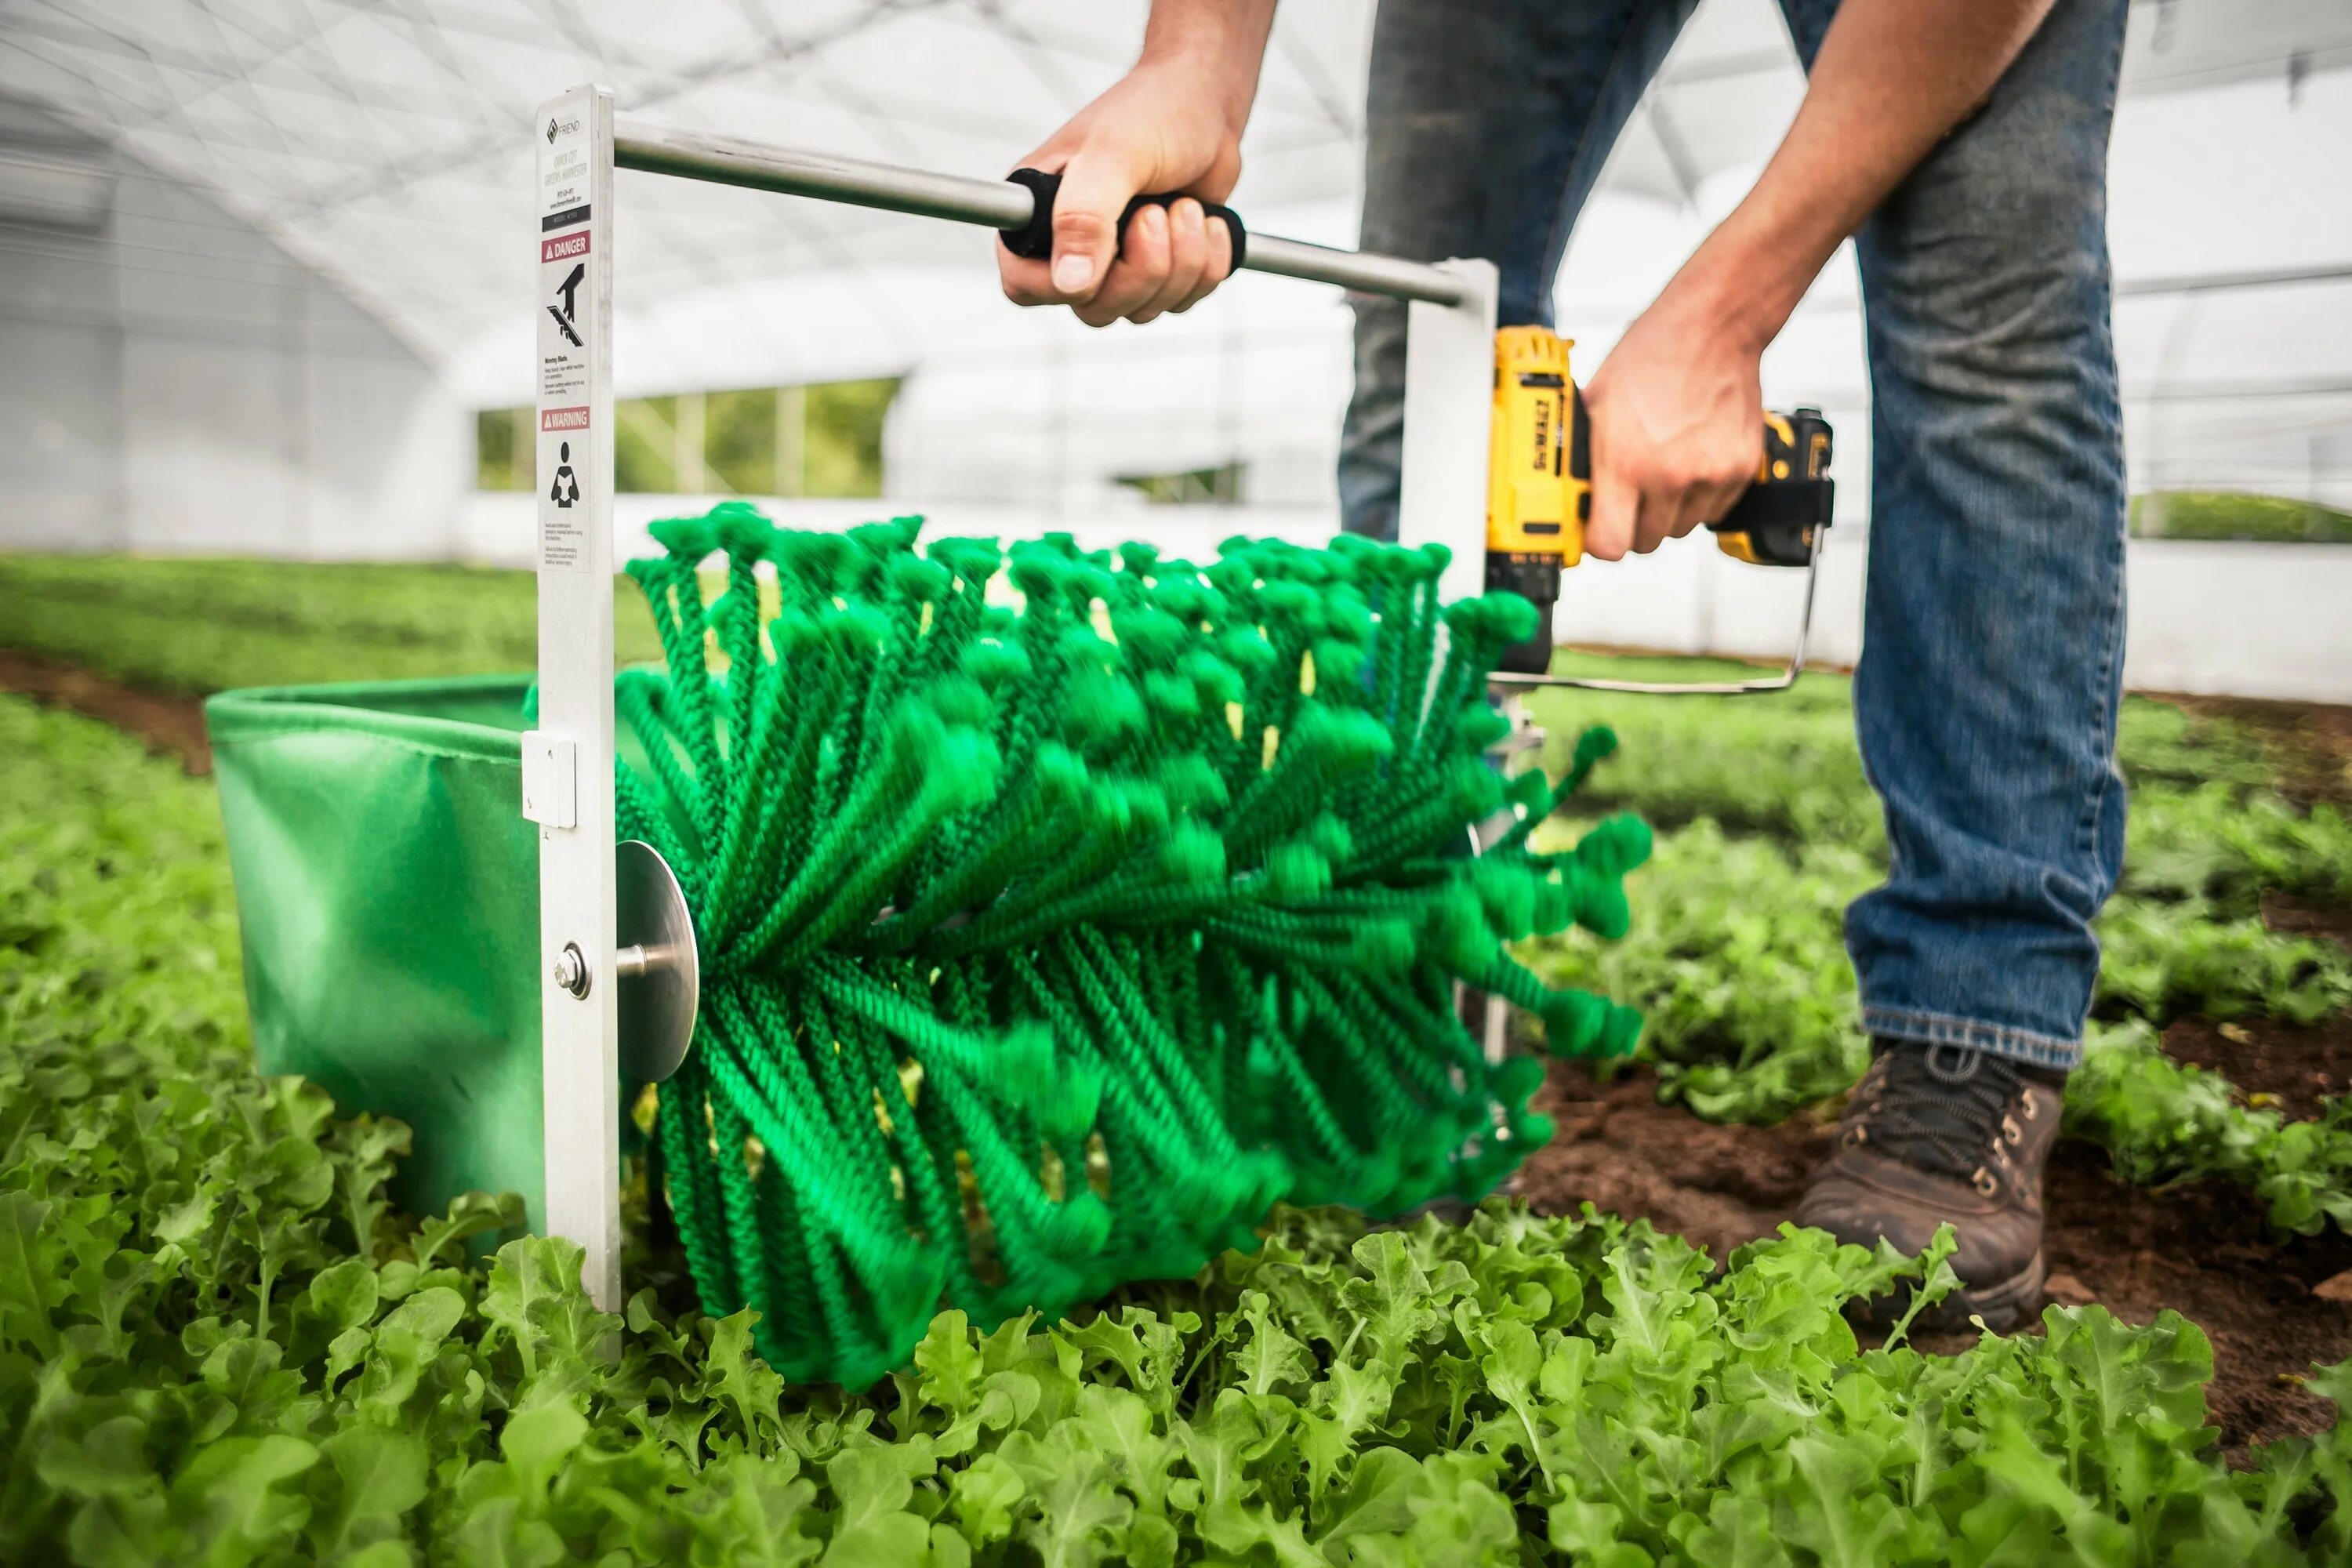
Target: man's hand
x=1173, y=123
x=1677, y=419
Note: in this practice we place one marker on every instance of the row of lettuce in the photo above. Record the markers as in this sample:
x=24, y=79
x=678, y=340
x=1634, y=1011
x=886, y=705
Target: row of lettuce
x=1768, y=830
x=220, y=1341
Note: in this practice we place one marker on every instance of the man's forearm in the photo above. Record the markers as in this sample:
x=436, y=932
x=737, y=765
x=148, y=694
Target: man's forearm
x=1892, y=78
x=1223, y=40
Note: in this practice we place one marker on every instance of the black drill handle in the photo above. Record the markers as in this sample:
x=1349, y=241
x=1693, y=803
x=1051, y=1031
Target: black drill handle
x=1034, y=241
x=1773, y=524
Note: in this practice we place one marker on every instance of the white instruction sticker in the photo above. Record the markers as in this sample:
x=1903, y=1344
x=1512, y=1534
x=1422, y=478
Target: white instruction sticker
x=563, y=172
x=566, y=322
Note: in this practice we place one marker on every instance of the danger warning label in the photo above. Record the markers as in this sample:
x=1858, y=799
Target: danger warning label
x=573, y=513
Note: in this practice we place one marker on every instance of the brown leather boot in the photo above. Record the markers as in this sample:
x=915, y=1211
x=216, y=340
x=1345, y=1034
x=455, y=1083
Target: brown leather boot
x=1944, y=1134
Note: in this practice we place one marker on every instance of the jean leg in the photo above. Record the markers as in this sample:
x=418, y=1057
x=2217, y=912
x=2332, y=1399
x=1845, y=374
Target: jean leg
x=1994, y=617
x=1487, y=126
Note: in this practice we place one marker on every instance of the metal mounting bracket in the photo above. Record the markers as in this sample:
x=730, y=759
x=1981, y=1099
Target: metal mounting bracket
x=551, y=780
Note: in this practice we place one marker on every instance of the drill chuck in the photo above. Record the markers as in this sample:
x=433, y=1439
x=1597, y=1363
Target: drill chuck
x=1535, y=578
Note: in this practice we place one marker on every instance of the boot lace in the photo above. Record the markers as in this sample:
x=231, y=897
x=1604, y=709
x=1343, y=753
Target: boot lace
x=1939, y=1107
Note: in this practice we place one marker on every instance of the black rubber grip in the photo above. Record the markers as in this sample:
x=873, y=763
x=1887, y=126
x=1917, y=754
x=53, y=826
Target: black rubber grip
x=1034, y=241
x=1801, y=503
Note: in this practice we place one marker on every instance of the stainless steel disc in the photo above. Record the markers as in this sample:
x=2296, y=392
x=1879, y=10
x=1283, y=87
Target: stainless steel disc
x=659, y=971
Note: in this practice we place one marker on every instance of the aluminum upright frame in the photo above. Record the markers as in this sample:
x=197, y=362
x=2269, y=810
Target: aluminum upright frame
x=568, y=760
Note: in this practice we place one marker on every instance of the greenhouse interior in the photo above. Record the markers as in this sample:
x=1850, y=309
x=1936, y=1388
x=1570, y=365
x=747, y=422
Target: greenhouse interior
x=1175, y=781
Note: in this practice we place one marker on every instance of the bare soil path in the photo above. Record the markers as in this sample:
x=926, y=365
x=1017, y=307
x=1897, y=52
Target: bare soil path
x=173, y=726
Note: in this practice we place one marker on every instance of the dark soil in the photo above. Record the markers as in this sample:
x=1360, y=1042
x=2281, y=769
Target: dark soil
x=173, y=726
x=2202, y=1250
x=2277, y=1065
x=2292, y=915
x=2309, y=743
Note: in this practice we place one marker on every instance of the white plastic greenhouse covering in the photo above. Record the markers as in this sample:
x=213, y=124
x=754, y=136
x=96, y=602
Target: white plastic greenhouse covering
x=385, y=147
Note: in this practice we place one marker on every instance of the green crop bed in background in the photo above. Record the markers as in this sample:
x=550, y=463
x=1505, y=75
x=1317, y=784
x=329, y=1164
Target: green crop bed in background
x=2230, y=514
x=193, y=626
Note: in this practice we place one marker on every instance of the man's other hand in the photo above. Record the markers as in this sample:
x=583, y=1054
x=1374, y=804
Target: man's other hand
x=1158, y=128
x=1678, y=413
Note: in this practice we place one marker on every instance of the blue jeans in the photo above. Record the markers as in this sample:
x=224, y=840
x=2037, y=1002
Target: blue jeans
x=1993, y=623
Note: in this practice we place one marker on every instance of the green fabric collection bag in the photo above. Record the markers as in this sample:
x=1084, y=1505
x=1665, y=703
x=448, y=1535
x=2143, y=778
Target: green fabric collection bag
x=387, y=885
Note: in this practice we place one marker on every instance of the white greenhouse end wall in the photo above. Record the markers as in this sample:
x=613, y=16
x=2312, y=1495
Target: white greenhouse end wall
x=173, y=381
x=2241, y=619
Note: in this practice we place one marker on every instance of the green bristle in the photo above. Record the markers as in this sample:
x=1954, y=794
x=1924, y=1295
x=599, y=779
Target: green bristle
x=1217, y=681
x=1479, y=728
x=1475, y=790
x=1456, y=930
x=1152, y=635
x=687, y=538
x=918, y=579
x=1142, y=807
x=1554, y=908
x=1241, y=647
x=1621, y=1033
x=1496, y=618
x=1186, y=598
x=1532, y=793
x=1060, y=769
x=739, y=530
x=987, y=895
x=1343, y=739
x=960, y=702
x=1599, y=905
x=1192, y=856
x=1508, y=896
x=962, y=770
x=1591, y=746
x=1330, y=837
x=1616, y=845
x=1191, y=784
x=995, y=664
x=975, y=561
x=1296, y=872
x=1171, y=700
x=1517, y=1080
x=1381, y=947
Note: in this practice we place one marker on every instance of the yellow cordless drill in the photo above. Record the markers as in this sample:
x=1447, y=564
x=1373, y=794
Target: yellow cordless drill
x=1539, y=494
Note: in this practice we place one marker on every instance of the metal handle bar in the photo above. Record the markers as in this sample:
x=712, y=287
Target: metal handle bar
x=990, y=203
